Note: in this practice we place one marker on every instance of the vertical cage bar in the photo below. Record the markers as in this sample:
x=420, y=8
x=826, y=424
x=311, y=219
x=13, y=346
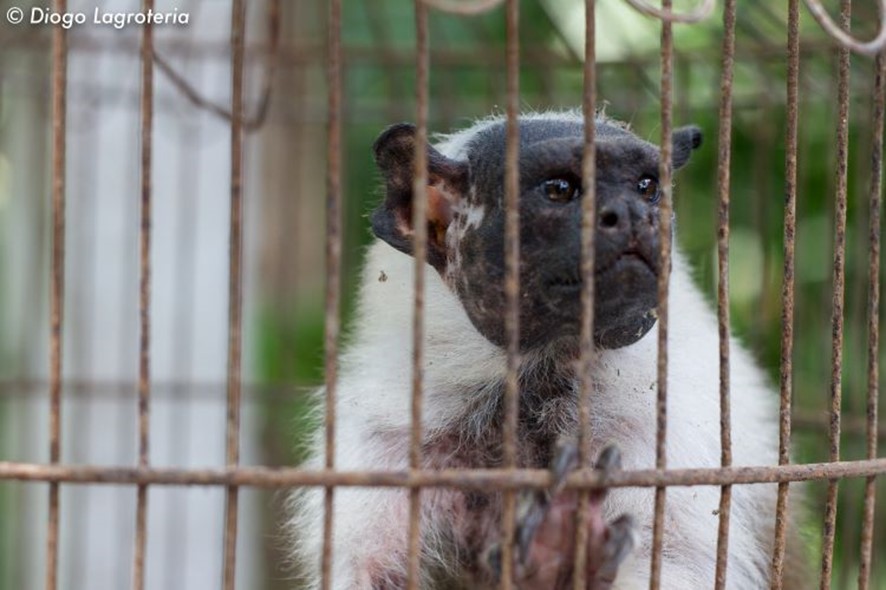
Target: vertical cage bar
x=144, y=345
x=83, y=357
x=57, y=283
x=724, y=155
x=176, y=552
x=235, y=289
x=787, y=290
x=333, y=267
x=420, y=239
x=588, y=226
x=512, y=283
x=666, y=211
x=837, y=299
x=873, y=386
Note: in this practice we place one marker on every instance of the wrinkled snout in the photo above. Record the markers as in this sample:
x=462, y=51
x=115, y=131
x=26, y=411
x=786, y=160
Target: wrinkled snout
x=626, y=227
x=626, y=270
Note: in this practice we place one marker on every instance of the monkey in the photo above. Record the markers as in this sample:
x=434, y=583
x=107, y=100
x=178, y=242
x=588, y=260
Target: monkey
x=465, y=369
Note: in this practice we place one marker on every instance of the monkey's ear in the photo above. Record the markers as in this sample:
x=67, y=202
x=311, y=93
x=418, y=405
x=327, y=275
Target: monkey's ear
x=685, y=139
x=391, y=221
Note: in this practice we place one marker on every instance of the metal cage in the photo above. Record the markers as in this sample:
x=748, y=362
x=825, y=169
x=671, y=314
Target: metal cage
x=275, y=54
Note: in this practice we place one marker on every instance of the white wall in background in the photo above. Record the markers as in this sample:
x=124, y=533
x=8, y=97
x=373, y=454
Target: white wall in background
x=189, y=331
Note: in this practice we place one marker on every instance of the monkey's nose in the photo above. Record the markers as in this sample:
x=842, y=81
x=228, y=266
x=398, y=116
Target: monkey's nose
x=609, y=219
x=613, y=218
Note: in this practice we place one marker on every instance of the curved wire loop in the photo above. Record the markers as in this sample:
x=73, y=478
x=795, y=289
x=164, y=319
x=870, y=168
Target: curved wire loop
x=704, y=10
x=463, y=7
x=845, y=39
x=257, y=119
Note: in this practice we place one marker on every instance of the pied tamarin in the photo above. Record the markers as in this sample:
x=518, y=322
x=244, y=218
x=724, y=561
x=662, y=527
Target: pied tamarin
x=465, y=366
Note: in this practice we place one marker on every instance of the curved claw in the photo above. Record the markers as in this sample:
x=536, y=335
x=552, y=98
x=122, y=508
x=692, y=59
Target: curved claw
x=532, y=507
x=492, y=560
x=609, y=459
x=565, y=460
x=621, y=538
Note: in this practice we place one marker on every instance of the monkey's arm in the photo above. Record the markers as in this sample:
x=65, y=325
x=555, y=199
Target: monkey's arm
x=369, y=524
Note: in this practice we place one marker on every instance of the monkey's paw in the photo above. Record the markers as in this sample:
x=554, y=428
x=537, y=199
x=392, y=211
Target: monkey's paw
x=546, y=531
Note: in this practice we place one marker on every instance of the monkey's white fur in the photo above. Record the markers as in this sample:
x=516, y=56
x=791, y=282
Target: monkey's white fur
x=373, y=423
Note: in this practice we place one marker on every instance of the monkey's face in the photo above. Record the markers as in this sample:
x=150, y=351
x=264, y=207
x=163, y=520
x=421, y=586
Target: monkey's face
x=467, y=220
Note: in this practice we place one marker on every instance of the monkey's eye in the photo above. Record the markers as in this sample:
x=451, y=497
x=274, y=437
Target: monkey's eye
x=560, y=190
x=648, y=187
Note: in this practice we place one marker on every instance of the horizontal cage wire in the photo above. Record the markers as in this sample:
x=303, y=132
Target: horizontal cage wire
x=167, y=318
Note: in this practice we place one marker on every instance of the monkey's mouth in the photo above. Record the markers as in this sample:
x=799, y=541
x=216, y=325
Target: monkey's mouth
x=567, y=282
x=628, y=262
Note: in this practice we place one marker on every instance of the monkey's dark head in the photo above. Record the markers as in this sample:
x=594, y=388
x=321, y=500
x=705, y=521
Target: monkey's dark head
x=466, y=222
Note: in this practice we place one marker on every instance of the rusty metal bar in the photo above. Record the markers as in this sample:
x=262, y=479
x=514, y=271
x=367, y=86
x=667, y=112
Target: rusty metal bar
x=867, y=530
x=82, y=358
x=500, y=478
x=306, y=53
x=125, y=294
x=235, y=289
x=850, y=523
x=277, y=393
x=333, y=268
x=666, y=15
x=837, y=299
x=57, y=285
x=420, y=243
x=463, y=7
x=588, y=227
x=787, y=291
x=665, y=212
x=724, y=159
x=512, y=285
x=853, y=425
x=176, y=553
x=841, y=35
x=144, y=347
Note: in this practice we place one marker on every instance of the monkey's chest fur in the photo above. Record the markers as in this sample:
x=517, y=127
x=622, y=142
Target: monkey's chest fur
x=548, y=409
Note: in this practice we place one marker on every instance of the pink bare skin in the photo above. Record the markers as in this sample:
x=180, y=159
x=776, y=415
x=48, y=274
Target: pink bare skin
x=544, y=546
x=547, y=527
x=550, y=560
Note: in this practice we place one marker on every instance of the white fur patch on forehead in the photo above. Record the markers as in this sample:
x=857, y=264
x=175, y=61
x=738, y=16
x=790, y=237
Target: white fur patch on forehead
x=467, y=218
x=473, y=216
x=454, y=145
